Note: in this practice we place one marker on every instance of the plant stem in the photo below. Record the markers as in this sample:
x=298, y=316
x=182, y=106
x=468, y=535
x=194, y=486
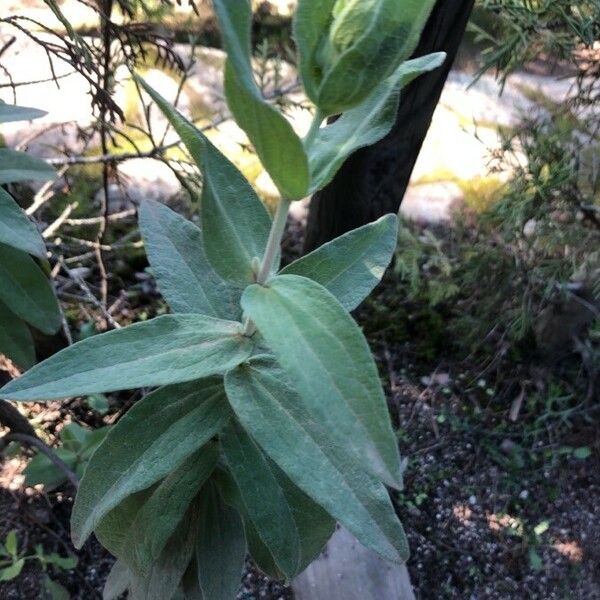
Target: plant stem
x=47, y=451
x=271, y=251
x=249, y=328
x=274, y=242
x=314, y=128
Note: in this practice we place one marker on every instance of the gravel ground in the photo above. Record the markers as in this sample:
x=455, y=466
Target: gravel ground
x=479, y=530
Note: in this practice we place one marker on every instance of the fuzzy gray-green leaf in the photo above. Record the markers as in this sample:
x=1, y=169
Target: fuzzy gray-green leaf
x=259, y=552
x=315, y=525
x=221, y=546
x=16, y=341
x=18, y=166
x=348, y=47
x=114, y=528
x=235, y=222
x=175, y=249
x=16, y=230
x=165, y=350
x=25, y=289
x=270, y=409
x=10, y=112
x=322, y=349
x=364, y=125
x=263, y=498
x=159, y=516
x=353, y=264
x=117, y=581
x=274, y=139
x=164, y=579
x=156, y=436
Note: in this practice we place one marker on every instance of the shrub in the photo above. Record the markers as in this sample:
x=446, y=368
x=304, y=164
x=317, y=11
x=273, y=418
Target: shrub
x=517, y=287
x=271, y=423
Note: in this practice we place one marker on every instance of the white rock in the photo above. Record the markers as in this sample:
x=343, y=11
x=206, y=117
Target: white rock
x=484, y=101
x=148, y=179
x=140, y=179
x=205, y=80
x=529, y=228
x=299, y=210
x=432, y=203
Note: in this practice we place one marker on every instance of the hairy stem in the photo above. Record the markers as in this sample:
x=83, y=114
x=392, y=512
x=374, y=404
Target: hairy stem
x=271, y=251
x=274, y=243
x=314, y=128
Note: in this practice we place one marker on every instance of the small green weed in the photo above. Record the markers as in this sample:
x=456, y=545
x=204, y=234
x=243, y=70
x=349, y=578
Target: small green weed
x=13, y=560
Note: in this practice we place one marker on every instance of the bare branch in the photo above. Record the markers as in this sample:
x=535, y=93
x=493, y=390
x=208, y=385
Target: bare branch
x=35, y=442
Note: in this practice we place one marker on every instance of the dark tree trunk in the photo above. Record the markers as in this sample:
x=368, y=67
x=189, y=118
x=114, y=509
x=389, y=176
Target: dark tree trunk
x=373, y=180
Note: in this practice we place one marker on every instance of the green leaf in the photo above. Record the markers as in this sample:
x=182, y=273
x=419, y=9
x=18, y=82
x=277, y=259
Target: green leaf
x=26, y=291
x=582, y=453
x=164, y=350
x=190, y=584
x=11, y=543
x=364, y=125
x=235, y=222
x=541, y=528
x=260, y=553
x=117, y=581
x=331, y=365
x=81, y=440
x=277, y=145
x=315, y=525
x=16, y=230
x=16, y=341
x=256, y=547
x=73, y=436
x=17, y=166
x=114, y=528
x=99, y=403
x=138, y=529
x=13, y=571
x=348, y=47
x=311, y=20
x=54, y=589
x=10, y=112
x=220, y=548
x=175, y=249
x=66, y=563
x=42, y=471
x=156, y=436
x=271, y=410
x=163, y=581
x=157, y=519
x=353, y=264
x=263, y=498
x=535, y=560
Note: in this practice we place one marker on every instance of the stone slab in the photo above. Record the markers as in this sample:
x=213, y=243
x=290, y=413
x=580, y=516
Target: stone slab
x=346, y=570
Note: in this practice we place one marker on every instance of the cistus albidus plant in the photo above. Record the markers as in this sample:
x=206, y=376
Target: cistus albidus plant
x=270, y=423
